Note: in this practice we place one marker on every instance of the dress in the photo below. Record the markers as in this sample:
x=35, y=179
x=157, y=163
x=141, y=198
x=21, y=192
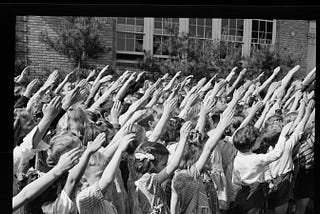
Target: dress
x=151, y=196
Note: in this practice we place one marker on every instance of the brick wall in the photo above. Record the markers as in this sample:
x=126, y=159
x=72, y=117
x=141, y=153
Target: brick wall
x=45, y=59
x=297, y=41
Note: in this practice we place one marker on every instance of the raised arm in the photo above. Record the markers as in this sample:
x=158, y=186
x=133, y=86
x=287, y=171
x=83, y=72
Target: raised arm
x=234, y=85
x=158, y=129
x=31, y=88
x=214, y=137
x=61, y=85
x=170, y=84
x=253, y=110
x=177, y=155
x=206, y=107
x=35, y=188
x=265, y=111
x=125, y=86
x=268, y=81
x=109, y=172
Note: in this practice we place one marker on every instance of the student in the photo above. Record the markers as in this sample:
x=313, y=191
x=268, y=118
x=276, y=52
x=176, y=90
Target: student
x=151, y=162
x=95, y=198
x=249, y=169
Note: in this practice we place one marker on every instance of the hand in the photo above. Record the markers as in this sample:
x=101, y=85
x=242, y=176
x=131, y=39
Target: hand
x=97, y=143
x=115, y=111
x=273, y=86
x=91, y=74
x=104, y=69
x=170, y=106
x=165, y=76
x=52, y=109
x=116, y=85
x=185, y=130
x=310, y=95
x=157, y=93
x=243, y=72
x=238, y=93
x=22, y=77
x=256, y=107
x=71, y=98
x=259, y=77
x=140, y=75
x=82, y=83
x=177, y=74
x=310, y=106
x=150, y=91
x=137, y=115
x=201, y=82
x=32, y=86
x=51, y=79
x=233, y=71
x=208, y=84
x=132, y=76
x=276, y=70
x=286, y=129
x=69, y=159
x=105, y=79
x=124, y=142
x=192, y=99
x=208, y=106
x=68, y=76
x=219, y=85
x=227, y=117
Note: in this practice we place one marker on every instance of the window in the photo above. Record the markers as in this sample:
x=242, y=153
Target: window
x=261, y=31
x=130, y=34
x=200, y=28
x=163, y=29
x=231, y=36
x=232, y=30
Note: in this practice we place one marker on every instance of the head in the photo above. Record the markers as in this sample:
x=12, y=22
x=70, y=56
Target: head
x=74, y=120
x=245, y=138
x=96, y=165
x=24, y=122
x=234, y=125
x=150, y=157
x=172, y=129
x=289, y=117
x=60, y=144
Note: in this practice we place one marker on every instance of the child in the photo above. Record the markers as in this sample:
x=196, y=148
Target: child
x=95, y=197
x=249, y=169
x=151, y=162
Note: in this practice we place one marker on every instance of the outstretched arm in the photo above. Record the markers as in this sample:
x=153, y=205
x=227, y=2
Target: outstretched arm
x=35, y=188
x=177, y=155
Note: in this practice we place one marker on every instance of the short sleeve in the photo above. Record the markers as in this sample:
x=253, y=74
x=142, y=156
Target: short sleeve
x=150, y=181
x=62, y=205
x=90, y=198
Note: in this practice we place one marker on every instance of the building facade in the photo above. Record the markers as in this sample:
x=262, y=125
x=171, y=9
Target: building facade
x=129, y=37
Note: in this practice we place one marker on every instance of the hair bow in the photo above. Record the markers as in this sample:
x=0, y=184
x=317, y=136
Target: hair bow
x=142, y=156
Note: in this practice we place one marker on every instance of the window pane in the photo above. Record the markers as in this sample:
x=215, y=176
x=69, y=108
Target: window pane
x=239, y=33
x=139, y=28
x=192, y=31
x=269, y=36
x=139, y=45
x=192, y=21
x=200, y=21
x=130, y=21
x=120, y=43
x=121, y=35
x=232, y=31
x=158, y=24
x=129, y=35
x=208, y=32
x=130, y=28
x=232, y=23
x=254, y=34
x=129, y=44
x=175, y=20
x=121, y=20
x=224, y=23
x=255, y=25
x=209, y=22
x=269, y=26
x=139, y=22
x=240, y=24
x=200, y=31
x=262, y=26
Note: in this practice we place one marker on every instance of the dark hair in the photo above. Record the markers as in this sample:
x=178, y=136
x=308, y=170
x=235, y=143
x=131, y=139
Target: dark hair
x=245, y=138
x=156, y=149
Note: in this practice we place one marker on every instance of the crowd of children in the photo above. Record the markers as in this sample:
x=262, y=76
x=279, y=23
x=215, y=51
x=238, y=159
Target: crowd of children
x=129, y=145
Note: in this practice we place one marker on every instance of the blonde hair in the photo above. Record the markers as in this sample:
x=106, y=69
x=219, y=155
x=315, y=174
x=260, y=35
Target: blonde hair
x=75, y=120
x=60, y=144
